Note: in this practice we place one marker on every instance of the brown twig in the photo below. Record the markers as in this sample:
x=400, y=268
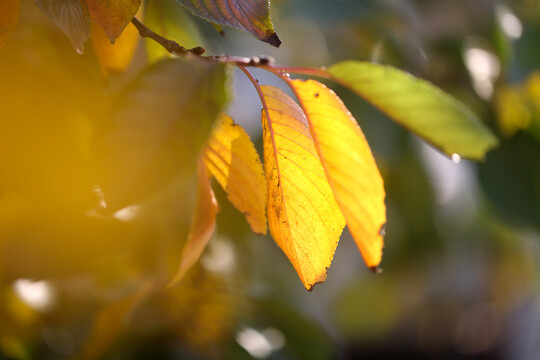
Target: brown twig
x=171, y=46
x=262, y=61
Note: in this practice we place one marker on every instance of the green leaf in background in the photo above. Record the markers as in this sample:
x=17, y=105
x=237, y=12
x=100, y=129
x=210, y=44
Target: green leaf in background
x=171, y=21
x=419, y=106
x=252, y=16
x=510, y=178
x=71, y=16
x=156, y=127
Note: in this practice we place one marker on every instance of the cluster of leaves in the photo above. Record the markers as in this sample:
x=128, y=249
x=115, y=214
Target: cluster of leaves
x=318, y=174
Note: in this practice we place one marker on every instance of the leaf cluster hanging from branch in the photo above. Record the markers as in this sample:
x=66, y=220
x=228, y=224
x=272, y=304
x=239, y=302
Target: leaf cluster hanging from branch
x=318, y=173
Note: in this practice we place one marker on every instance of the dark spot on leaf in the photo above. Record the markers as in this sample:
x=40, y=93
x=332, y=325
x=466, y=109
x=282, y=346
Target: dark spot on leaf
x=316, y=95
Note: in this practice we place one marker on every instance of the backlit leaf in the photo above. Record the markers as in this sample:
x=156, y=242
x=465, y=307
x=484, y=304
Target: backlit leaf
x=9, y=16
x=303, y=216
x=173, y=22
x=231, y=158
x=203, y=224
x=349, y=166
x=433, y=115
x=156, y=126
x=113, y=15
x=71, y=16
x=252, y=16
x=117, y=56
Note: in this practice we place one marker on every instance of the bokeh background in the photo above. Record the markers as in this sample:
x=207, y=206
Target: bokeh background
x=462, y=255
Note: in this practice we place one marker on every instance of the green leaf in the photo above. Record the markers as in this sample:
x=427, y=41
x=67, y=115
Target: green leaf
x=172, y=22
x=252, y=16
x=71, y=16
x=419, y=106
x=156, y=128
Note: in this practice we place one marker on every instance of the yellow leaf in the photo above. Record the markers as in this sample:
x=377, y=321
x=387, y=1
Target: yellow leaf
x=9, y=16
x=349, y=165
x=203, y=224
x=231, y=158
x=117, y=56
x=112, y=15
x=303, y=216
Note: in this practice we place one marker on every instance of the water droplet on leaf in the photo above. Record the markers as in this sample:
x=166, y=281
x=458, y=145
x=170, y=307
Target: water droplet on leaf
x=456, y=158
x=382, y=230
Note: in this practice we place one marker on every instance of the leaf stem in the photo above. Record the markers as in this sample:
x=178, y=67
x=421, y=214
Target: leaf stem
x=171, y=46
x=268, y=121
x=259, y=91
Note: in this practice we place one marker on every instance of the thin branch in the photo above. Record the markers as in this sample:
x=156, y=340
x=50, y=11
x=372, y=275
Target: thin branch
x=264, y=62
x=171, y=46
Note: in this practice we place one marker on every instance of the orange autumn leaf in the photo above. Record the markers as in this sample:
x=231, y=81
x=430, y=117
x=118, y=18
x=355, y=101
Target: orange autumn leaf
x=349, y=165
x=203, y=224
x=231, y=158
x=117, y=56
x=9, y=16
x=303, y=216
x=112, y=15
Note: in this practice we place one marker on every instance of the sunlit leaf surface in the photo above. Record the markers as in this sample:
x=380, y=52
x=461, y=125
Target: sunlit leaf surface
x=303, y=216
x=252, y=16
x=9, y=16
x=349, y=165
x=433, y=115
x=155, y=128
x=203, y=224
x=112, y=15
x=231, y=158
x=71, y=16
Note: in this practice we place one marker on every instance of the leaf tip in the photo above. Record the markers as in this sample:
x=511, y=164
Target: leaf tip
x=273, y=39
x=376, y=270
x=310, y=287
